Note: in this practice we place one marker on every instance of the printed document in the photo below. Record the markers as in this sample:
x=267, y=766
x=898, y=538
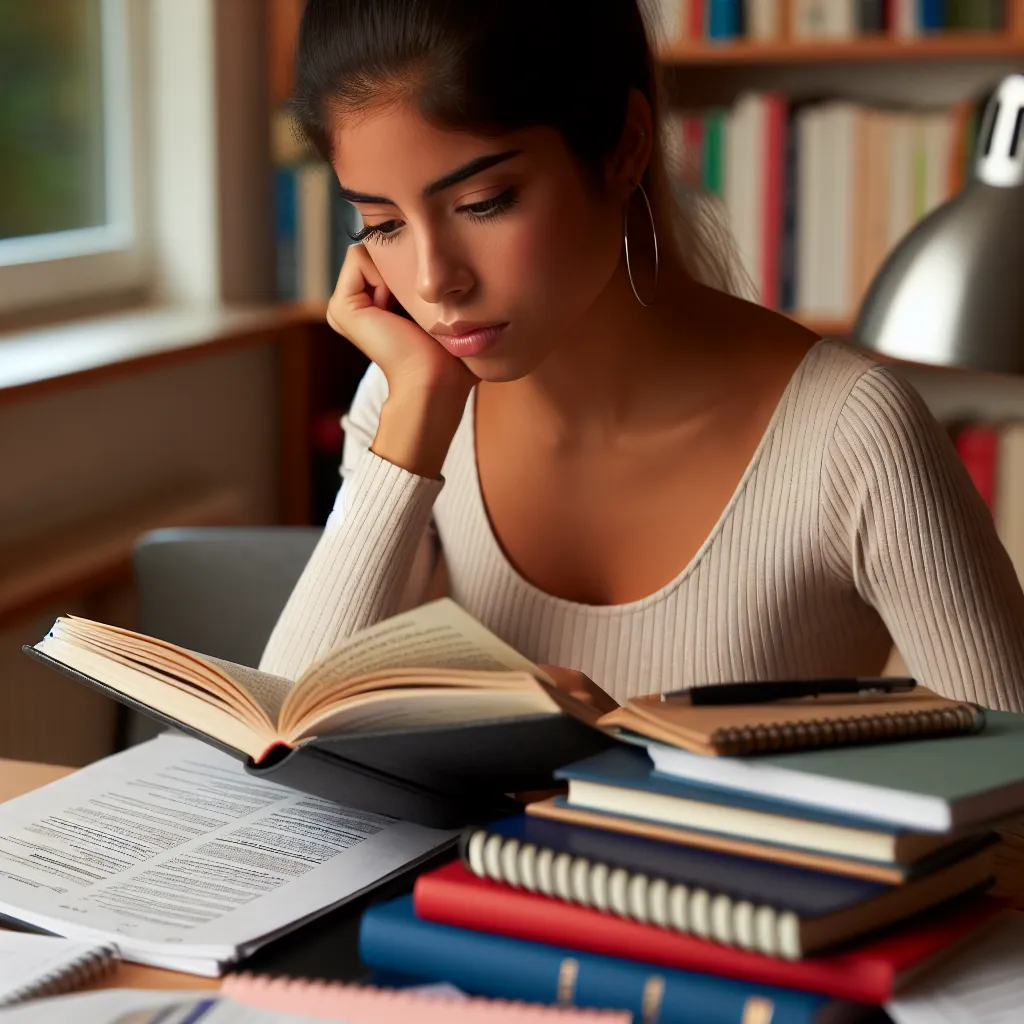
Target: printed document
x=173, y=853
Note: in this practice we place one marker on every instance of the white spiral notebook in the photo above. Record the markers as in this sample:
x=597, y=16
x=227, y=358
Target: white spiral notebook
x=43, y=965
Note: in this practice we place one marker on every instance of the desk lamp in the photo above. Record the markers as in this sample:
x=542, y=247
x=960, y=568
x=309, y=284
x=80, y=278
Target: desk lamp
x=952, y=291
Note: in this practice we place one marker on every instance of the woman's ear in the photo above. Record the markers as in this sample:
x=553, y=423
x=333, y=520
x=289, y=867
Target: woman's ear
x=633, y=153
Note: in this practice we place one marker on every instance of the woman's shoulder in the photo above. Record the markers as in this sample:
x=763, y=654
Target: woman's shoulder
x=855, y=389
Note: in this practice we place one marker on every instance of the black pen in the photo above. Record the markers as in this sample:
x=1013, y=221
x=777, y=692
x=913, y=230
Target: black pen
x=764, y=692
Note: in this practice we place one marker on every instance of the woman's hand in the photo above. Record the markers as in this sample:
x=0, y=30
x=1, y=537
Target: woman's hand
x=362, y=309
x=581, y=686
x=427, y=385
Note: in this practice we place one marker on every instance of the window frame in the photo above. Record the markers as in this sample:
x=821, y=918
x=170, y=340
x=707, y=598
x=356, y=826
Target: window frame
x=67, y=265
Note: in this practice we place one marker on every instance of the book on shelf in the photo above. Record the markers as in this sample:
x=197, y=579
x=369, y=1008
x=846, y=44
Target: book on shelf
x=312, y=222
x=871, y=972
x=418, y=715
x=393, y=938
x=776, y=909
x=681, y=22
x=993, y=454
x=816, y=194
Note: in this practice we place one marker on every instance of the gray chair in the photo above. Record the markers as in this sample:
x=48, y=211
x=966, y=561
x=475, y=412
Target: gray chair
x=215, y=590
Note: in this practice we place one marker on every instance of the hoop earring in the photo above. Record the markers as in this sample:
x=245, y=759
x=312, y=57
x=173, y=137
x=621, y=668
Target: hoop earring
x=654, y=236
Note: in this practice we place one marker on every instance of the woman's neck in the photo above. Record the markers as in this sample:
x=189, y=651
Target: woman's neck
x=627, y=370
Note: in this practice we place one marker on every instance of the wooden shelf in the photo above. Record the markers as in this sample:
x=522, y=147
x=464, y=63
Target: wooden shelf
x=946, y=47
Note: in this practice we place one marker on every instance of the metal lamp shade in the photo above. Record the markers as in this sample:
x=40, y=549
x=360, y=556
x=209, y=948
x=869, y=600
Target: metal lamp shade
x=952, y=291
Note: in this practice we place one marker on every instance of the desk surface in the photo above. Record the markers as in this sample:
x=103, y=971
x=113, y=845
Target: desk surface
x=17, y=777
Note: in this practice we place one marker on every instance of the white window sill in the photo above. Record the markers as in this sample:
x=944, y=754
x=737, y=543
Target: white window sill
x=43, y=357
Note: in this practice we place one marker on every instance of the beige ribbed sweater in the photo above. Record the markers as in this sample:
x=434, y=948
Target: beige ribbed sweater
x=854, y=525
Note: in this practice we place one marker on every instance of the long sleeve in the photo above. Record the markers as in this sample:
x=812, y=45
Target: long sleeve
x=378, y=545
x=901, y=520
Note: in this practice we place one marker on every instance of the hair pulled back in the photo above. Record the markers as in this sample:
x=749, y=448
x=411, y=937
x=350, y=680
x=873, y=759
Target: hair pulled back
x=495, y=66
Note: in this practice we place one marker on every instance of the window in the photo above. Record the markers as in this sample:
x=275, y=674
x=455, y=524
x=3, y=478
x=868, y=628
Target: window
x=69, y=194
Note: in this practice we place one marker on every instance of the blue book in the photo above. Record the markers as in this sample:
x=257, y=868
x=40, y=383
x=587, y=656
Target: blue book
x=393, y=939
x=286, y=233
x=723, y=19
x=931, y=15
x=791, y=186
x=779, y=909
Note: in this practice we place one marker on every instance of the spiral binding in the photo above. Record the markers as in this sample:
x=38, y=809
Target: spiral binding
x=845, y=730
x=691, y=910
x=77, y=974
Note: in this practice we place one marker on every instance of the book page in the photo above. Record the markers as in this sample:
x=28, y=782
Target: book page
x=269, y=691
x=981, y=984
x=200, y=670
x=170, y=850
x=435, y=635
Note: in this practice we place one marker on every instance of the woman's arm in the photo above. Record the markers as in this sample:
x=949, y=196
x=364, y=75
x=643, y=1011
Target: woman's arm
x=378, y=553
x=902, y=521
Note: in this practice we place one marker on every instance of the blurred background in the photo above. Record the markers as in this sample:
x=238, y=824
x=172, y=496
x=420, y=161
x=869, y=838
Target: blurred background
x=167, y=249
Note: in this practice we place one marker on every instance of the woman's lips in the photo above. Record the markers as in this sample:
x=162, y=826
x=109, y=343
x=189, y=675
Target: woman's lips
x=471, y=343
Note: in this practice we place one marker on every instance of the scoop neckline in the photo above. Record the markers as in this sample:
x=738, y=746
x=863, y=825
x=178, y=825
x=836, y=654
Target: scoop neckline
x=556, y=602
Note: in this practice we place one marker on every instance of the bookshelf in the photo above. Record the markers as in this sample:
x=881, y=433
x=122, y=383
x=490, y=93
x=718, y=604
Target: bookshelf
x=952, y=46
x=698, y=75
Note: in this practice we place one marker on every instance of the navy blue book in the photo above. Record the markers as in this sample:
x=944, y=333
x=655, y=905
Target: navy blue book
x=623, y=781
x=393, y=939
x=777, y=909
x=285, y=232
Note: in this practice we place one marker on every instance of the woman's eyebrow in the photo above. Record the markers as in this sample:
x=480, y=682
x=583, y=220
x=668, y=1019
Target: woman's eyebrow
x=481, y=163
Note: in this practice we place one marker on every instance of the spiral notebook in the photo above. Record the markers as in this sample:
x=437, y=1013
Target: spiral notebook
x=364, y=1004
x=827, y=720
x=43, y=965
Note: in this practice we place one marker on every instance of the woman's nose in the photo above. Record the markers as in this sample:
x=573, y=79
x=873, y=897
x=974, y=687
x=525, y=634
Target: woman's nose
x=441, y=272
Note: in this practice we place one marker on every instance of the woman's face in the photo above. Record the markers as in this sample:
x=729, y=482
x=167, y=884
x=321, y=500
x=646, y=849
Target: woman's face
x=476, y=231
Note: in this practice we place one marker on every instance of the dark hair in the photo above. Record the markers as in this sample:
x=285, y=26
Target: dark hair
x=494, y=66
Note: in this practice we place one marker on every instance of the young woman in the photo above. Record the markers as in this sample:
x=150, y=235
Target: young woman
x=571, y=424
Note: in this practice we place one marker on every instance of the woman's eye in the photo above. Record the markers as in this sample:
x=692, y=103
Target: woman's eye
x=377, y=232
x=492, y=207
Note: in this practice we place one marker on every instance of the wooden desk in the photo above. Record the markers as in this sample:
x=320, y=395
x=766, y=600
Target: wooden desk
x=17, y=777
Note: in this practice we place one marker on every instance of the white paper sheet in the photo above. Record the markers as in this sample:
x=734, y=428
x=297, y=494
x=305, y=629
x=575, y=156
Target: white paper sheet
x=982, y=984
x=172, y=852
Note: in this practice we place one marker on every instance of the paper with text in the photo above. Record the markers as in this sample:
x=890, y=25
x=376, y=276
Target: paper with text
x=172, y=852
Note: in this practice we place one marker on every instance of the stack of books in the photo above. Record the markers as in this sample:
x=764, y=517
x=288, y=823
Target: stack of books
x=690, y=875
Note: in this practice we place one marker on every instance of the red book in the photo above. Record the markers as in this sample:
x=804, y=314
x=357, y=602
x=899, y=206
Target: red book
x=869, y=974
x=693, y=148
x=774, y=196
x=695, y=20
x=978, y=447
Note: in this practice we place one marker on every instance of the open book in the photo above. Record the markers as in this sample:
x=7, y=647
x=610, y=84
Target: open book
x=432, y=666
